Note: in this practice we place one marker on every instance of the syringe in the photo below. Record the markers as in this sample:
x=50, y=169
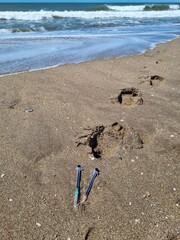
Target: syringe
x=77, y=190
x=95, y=174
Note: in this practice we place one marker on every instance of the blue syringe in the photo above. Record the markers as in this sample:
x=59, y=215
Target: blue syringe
x=77, y=190
x=95, y=174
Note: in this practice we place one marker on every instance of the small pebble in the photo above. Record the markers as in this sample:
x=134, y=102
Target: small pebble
x=130, y=203
x=122, y=120
x=2, y=175
x=142, y=173
x=10, y=199
x=147, y=194
x=91, y=157
x=38, y=224
x=29, y=110
x=174, y=189
x=137, y=221
x=153, y=205
x=132, y=160
x=172, y=136
x=171, y=217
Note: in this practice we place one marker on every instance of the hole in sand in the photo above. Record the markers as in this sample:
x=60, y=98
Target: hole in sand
x=91, y=139
x=130, y=96
x=107, y=141
x=155, y=80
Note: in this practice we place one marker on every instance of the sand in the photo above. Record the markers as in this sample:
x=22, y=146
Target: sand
x=119, y=115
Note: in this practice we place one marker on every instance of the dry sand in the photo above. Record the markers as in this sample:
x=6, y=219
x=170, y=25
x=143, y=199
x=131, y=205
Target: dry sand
x=137, y=194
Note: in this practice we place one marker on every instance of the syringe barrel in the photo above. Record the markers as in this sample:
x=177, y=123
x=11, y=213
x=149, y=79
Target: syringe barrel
x=78, y=176
x=95, y=173
x=77, y=190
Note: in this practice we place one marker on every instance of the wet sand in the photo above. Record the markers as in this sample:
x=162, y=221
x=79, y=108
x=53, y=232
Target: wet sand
x=131, y=108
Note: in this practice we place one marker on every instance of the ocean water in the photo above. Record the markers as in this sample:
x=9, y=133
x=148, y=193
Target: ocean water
x=36, y=36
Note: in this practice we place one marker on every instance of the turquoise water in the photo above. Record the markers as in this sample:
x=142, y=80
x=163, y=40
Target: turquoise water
x=35, y=36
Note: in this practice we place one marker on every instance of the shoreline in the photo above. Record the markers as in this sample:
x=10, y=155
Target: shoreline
x=100, y=59
x=130, y=107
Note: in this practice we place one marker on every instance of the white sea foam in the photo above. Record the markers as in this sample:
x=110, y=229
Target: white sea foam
x=5, y=31
x=127, y=8
x=174, y=7
x=40, y=15
x=136, y=8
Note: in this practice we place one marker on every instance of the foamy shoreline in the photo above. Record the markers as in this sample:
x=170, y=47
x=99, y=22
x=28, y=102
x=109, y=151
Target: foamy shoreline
x=36, y=36
x=106, y=59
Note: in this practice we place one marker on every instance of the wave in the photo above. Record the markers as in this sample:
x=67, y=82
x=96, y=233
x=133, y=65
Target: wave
x=22, y=30
x=49, y=27
x=99, y=8
x=160, y=7
x=175, y=7
x=28, y=29
x=49, y=15
x=126, y=8
x=5, y=31
x=153, y=7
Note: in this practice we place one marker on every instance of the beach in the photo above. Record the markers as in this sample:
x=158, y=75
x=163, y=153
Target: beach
x=130, y=107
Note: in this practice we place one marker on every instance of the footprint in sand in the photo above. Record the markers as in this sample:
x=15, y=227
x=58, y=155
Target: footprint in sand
x=129, y=97
x=14, y=103
x=153, y=80
x=11, y=103
x=109, y=140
